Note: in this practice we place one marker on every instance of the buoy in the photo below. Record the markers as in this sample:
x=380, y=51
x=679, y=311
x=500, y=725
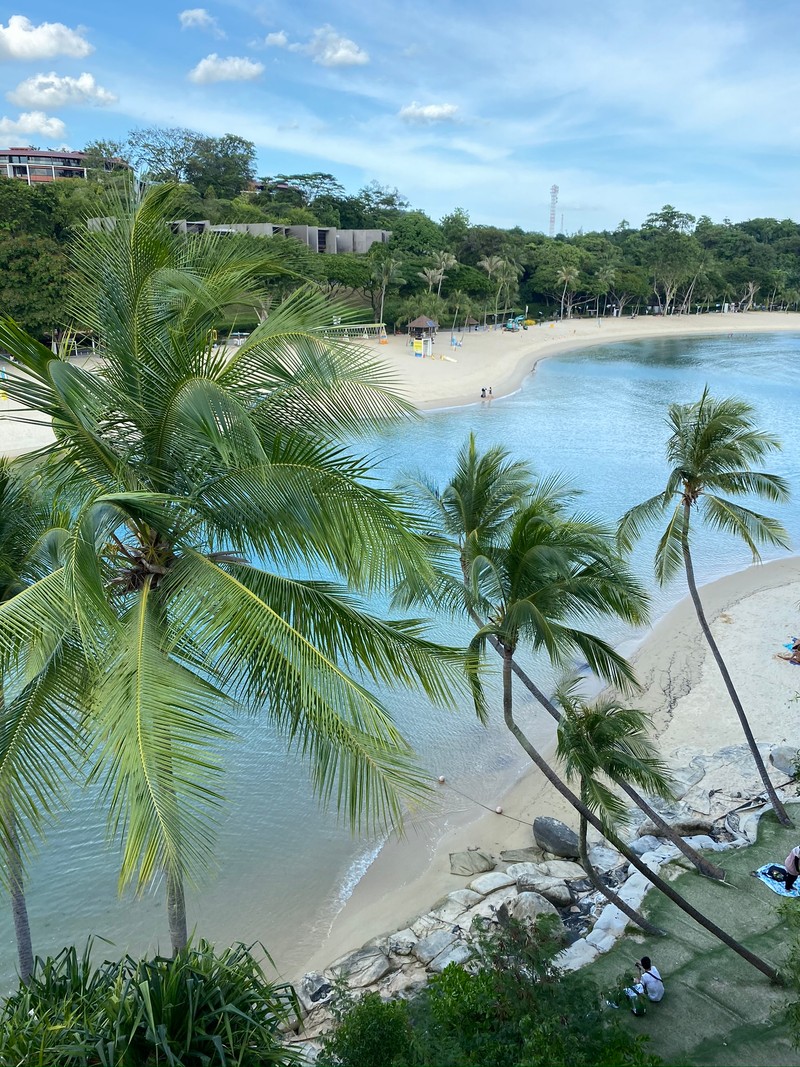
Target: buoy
x=499, y=810
x=441, y=779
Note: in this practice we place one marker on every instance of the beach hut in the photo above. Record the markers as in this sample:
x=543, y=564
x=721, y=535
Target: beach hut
x=422, y=328
x=471, y=323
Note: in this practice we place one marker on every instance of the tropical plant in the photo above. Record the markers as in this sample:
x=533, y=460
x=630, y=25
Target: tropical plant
x=568, y=275
x=444, y=262
x=476, y=506
x=711, y=450
x=200, y=478
x=385, y=272
x=40, y=736
x=431, y=275
x=493, y=265
x=197, y=1008
x=604, y=739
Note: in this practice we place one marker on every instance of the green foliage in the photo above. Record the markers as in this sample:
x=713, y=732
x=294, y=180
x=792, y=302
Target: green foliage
x=194, y=1009
x=34, y=275
x=511, y=1007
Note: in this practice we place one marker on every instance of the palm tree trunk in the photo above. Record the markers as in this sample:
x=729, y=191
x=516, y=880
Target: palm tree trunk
x=176, y=913
x=703, y=865
x=609, y=894
x=778, y=807
x=631, y=857
x=19, y=907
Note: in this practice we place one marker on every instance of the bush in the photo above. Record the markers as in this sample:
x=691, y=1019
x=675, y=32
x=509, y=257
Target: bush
x=511, y=1007
x=196, y=1009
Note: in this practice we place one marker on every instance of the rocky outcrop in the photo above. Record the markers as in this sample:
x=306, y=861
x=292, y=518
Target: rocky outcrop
x=473, y=861
x=786, y=759
x=554, y=836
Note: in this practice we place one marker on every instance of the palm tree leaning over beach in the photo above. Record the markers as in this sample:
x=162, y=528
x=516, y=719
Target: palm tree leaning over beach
x=206, y=484
x=604, y=739
x=40, y=732
x=711, y=450
x=477, y=506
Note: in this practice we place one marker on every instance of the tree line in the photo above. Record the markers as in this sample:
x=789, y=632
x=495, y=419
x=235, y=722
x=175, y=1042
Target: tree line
x=451, y=270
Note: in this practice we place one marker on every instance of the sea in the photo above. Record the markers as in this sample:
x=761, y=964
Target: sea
x=285, y=866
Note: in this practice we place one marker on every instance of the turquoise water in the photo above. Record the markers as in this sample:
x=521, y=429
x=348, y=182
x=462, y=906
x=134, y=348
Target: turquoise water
x=285, y=868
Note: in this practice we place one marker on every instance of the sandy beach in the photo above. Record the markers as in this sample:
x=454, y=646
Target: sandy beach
x=753, y=613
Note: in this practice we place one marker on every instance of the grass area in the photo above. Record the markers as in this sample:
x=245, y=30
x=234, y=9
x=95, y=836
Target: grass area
x=718, y=1010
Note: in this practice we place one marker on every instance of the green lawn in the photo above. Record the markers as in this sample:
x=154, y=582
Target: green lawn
x=717, y=1010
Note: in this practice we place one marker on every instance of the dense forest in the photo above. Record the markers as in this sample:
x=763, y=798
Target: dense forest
x=450, y=269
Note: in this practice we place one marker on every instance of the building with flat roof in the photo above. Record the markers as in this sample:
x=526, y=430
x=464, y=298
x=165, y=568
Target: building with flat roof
x=325, y=239
x=33, y=165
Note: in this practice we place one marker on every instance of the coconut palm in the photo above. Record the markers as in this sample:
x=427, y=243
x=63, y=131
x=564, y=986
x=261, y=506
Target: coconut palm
x=385, y=272
x=711, y=450
x=207, y=485
x=431, y=276
x=569, y=276
x=39, y=735
x=493, y=265
x=444, y=262
x=604, y=739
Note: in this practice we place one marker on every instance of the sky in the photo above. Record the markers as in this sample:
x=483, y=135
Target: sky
x=625, y=106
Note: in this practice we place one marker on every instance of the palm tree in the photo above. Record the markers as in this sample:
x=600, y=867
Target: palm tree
x=200, y=478
x=605, y=739
x=444, y=261
x=39, y=736
x=493, y=265
x=386, y=272
x=711, y=450
x=569, y=276
x=477, y=507
x=431, y=275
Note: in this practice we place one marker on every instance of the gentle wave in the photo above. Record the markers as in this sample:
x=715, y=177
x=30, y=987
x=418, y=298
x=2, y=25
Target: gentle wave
x=356, y=871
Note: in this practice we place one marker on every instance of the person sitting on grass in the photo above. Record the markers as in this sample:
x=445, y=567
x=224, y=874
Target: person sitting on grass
x=649, y=980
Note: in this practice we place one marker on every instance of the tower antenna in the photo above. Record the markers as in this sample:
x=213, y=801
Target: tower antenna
x=553, y=204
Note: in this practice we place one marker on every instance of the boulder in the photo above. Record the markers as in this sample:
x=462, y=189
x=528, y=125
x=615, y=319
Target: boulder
x=455, y=904
x=313, y=989
x=428, y=924
x=602, y=940
x=524, y=870
x=363, y=967
x=521, y=855
x=458, y=952
x=401, y=943
x=489, y=882
x=645, y=843
x=562, y=869
x=528, y=906
x=786, y=759
x=554, y=836
x=403, y=983
x=471, y=862
x=703, y=841
x=555, y=890
x=612, y=921
x=634, y=890
x=488, y=907
x=428, y=948
x=604, y=858
x=578, y=955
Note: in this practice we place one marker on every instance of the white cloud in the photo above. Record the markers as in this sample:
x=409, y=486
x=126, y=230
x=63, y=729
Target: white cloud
x=197, y=18
x=30, y=123
x=22, y=40
x=329, y=49
x=428, y=113
x=276, y=40
x=49, y=90
x=214, y=68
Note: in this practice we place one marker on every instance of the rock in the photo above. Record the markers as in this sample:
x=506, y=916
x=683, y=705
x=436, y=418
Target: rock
x=685, y=779
x=554, y=836
x=601, y=940
x=703, y=841
x=401, y=943
x=454, y=905
x=524, y=870
x=488, y=883
x=645, y=843
x=428, y=948
x=458, y=952
x=403, y=983
x=634, y=890
x=578, y=955
x=313, y=989
x=488, y=907
x=521, y=855
x=363, y=967
x=604, y=858
x=428, y=924
x=471, y=862
x=555, y=890
x=786, y=759
x=562, y=869
x=528, y=906
x=612, y=921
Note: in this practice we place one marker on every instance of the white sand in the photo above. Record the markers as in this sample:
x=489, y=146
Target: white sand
x=753, y=612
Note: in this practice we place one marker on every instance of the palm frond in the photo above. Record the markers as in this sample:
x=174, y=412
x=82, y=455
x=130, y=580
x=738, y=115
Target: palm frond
x=746, y=525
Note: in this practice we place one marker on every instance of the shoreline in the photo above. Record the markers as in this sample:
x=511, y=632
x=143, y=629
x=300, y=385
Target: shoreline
x=408, y=876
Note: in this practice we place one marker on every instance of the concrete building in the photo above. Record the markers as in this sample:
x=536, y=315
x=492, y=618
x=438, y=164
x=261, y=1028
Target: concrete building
x=325, y=239
x=32, y=165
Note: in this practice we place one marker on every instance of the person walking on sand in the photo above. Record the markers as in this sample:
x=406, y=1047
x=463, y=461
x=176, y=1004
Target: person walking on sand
x=792, y=865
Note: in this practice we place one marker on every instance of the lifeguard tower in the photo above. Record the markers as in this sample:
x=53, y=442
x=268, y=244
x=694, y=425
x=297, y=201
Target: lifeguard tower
x=421, y=334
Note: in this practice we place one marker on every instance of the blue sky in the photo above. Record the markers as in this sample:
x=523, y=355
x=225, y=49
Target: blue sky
x=625, y=106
